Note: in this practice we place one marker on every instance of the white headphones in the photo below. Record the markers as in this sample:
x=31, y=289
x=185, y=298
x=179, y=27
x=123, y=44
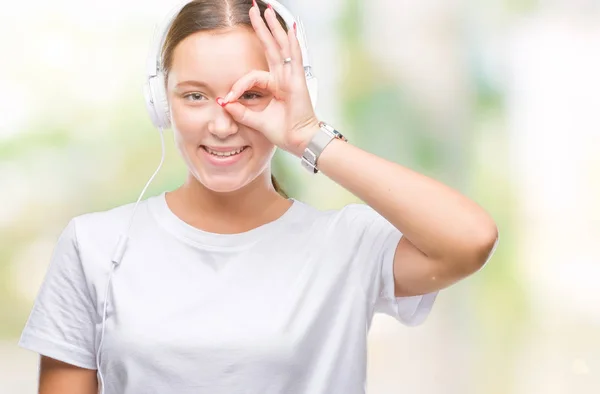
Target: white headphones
x=154, y=87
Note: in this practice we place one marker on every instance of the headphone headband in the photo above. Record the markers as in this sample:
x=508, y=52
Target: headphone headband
x=154, y=90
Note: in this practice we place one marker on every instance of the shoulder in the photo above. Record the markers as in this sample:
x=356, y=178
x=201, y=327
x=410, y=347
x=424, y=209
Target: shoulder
x=353, y=217
x=105, y=220
x=351, y=211
x=111, y=217
x=103, y=227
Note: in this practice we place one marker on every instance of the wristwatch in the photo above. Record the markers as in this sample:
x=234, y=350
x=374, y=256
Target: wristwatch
x=321, y=139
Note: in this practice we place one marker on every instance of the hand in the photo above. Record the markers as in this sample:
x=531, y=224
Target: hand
x=288, y=121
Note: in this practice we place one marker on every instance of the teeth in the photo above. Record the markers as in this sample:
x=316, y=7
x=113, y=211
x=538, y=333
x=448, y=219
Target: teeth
x=224, y=154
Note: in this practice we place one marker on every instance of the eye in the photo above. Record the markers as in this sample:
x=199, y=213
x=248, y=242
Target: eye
x=250, y=96
x=193, y=96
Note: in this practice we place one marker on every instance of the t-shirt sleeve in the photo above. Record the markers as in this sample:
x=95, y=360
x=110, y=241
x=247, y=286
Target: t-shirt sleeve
x=61, y=323
x=374, y=241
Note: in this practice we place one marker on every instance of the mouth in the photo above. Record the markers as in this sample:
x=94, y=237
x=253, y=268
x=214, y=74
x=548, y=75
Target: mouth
x=224, y=157
x=224, y=153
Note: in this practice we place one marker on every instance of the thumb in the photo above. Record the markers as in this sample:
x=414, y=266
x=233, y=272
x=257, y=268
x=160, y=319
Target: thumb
x=241, y=114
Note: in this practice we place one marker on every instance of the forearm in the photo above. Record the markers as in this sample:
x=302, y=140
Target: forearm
x=440, y=222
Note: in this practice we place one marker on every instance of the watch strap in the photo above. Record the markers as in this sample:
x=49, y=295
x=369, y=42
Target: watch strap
x=317, y=144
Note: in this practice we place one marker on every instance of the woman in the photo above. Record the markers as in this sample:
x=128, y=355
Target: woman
x=227, y=285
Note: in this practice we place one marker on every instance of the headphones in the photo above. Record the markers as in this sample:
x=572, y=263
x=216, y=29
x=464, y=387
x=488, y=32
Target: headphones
x=154, y=88
x=157, y=105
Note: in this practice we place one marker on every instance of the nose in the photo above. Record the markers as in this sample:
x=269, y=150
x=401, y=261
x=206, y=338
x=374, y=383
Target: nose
x=222, y=124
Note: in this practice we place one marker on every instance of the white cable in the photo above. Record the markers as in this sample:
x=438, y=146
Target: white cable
x=112, y=269
x=118, y=255
x=162, y=159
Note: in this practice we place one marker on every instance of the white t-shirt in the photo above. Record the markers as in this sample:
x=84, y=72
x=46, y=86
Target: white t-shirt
x=283, y=308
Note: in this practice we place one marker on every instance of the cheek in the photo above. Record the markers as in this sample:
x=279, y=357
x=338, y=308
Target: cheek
x=188, y=120
x=263, y=148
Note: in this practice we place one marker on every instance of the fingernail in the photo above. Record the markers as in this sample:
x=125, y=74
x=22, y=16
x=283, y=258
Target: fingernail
x=295, y=28
x=271, y=7
x=221, y=102
x=254, y=3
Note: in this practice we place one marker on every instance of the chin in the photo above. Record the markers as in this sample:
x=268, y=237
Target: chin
x=223, y=183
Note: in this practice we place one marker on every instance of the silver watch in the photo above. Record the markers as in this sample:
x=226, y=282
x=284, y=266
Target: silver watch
x=321, y=139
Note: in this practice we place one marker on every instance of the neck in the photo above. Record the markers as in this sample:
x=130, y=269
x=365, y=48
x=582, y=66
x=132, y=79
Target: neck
x=251, y=206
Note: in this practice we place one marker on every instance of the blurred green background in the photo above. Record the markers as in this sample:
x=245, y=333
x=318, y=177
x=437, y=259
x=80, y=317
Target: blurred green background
x=496, y=98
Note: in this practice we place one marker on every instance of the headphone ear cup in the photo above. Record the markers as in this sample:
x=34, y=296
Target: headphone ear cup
x=157, y=103
x=313, y=89
x=149, y=100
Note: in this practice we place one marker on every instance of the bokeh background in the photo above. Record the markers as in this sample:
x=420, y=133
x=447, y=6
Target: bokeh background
x=497, y=98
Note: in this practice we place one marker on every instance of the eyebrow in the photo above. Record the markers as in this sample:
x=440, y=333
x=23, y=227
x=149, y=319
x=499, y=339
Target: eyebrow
x=198, y=84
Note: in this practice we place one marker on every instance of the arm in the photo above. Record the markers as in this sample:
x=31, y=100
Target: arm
x=57, y=377
x=446, y=236
x=61, y=323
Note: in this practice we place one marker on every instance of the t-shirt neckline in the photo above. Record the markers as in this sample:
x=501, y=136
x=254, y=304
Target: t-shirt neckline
x=175, y=225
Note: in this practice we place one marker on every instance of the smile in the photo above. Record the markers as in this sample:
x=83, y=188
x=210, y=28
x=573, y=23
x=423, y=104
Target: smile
x=224, y=154
x=224, y=157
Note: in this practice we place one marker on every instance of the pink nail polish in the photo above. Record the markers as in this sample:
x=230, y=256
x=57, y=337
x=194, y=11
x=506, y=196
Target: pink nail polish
x=271, y=7
x=295, y=28
x=221, y=102
x=254, y=3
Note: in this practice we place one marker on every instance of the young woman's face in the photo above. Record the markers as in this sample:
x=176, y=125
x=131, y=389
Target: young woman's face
x=220, y=153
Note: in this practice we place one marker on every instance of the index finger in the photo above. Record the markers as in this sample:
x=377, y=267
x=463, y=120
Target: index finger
x=258, y=78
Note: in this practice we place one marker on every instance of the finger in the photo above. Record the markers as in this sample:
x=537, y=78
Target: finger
x=295, y=50
x=255, y=78
x=278, y=32
x=266, y=38
x=241, y=114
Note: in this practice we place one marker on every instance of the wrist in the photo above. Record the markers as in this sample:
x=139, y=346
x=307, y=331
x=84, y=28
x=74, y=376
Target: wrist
x=321, y=136
x=304, y=137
